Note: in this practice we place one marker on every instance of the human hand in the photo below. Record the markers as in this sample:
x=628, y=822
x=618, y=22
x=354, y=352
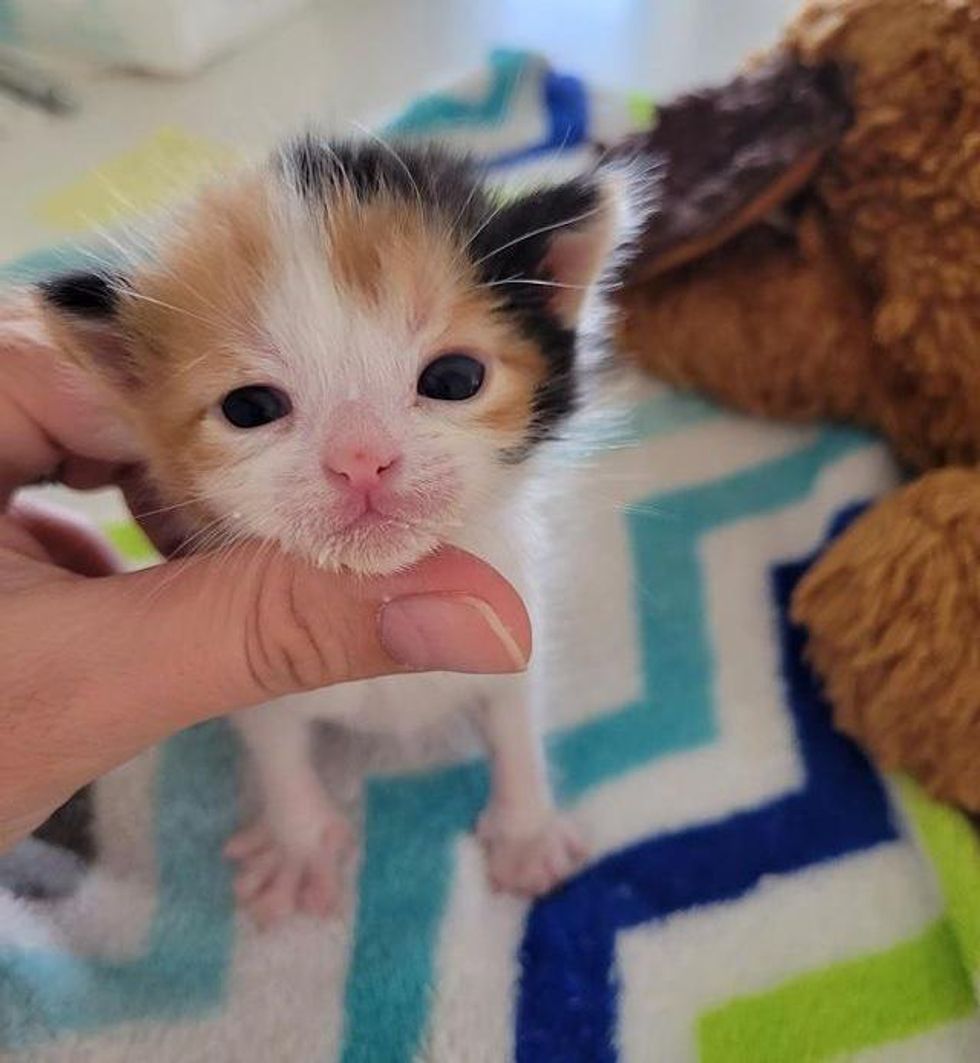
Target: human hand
x=98, y=664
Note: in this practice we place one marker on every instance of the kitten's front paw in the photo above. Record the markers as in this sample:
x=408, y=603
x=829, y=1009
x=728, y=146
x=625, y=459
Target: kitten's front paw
x=274, y=880
x=530, y=862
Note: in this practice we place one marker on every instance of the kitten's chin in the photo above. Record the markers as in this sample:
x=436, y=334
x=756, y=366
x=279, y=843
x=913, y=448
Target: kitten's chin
x=373, y=551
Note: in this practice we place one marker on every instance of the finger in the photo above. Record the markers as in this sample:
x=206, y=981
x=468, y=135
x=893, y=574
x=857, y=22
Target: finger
x=130, y=659
x=87, y=474
x=66, y=537
x=49, y=409
x=255, y=624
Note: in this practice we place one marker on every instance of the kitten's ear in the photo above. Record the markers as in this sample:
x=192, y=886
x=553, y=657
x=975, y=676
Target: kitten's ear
x=82, y=311
x=572, y=236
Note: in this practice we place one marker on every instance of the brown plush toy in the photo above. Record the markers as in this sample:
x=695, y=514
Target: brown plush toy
x=824, y=262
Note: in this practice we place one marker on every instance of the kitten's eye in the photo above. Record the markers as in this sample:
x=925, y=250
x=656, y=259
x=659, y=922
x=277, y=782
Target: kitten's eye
x=452, y=378
x=256, y=405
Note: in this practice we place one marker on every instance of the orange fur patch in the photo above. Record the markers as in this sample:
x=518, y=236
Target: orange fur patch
x=356, y=237
x=518, y=366
x=386, y=250
x=188, y=314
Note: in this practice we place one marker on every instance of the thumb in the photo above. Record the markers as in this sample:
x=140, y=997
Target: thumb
x=97, y=669
x=198, y=637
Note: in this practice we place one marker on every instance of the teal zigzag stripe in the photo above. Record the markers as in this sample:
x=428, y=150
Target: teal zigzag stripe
x=8, y=25
x=443, y=110
x=183, y=967
x=37, y=265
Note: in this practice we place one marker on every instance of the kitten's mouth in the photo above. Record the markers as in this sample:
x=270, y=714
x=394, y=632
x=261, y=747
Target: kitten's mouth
x=371, y=518
x=407, y=511
x=375, y=543
x=378, y=535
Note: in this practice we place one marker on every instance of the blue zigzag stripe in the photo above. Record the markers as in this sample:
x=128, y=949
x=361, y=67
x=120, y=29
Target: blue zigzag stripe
x=567, y=996
x=566, y=104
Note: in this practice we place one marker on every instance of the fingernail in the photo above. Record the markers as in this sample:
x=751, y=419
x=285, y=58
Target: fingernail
x=440, y=633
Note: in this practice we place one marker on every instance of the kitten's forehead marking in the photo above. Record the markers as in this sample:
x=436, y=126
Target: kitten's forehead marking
x=393, y=216
x=387, y=251
x=341, y=340
x=364, y=287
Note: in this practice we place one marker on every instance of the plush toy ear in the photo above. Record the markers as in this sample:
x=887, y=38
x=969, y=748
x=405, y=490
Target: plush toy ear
x=83, y=314
x=732, y=155
x=560, y=243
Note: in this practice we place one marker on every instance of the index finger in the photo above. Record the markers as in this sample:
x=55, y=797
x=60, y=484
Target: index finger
x=51, y=412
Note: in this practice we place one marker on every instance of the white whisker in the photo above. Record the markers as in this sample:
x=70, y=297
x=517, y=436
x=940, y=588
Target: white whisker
x=394, y=154
x=168, y=306
x=486, y=221
x=534, y=281
x=538, y=232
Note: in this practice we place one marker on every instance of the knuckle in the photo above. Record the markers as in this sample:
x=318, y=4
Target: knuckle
x=290, y=643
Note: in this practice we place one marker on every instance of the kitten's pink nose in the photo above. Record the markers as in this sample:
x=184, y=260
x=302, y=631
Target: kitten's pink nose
x=362, y=468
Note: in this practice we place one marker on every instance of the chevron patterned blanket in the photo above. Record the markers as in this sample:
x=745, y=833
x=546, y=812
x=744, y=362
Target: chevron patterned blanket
x=757, y=893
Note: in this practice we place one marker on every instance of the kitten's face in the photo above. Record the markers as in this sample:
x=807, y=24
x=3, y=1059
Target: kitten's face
x=341, y=354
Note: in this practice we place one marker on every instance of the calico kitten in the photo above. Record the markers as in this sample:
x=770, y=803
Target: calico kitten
x=354, y=353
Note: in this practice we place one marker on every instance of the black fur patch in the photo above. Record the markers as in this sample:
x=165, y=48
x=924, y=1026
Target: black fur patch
x=445, y=184
x=85, y=294
x=506, y=253
x=52, y=862
x=506, y=244
x=70, y=826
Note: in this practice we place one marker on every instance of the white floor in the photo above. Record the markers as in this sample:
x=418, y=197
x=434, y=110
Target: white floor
x=347, y=60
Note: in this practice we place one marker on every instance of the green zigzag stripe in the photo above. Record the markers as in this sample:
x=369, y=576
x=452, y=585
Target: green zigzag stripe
x=642, y=109
x=905, y=990
x=129, y=540
x=953, y=846
x=853, y=1005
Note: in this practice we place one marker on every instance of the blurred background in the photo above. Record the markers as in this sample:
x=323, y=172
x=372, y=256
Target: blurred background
x=144, y=85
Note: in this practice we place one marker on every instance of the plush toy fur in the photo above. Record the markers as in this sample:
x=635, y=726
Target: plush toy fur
x=861, y=302
x=893, y=612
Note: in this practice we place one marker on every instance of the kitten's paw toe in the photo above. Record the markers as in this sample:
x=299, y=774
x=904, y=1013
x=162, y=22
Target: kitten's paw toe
x=532, y=863
x=274, y=880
